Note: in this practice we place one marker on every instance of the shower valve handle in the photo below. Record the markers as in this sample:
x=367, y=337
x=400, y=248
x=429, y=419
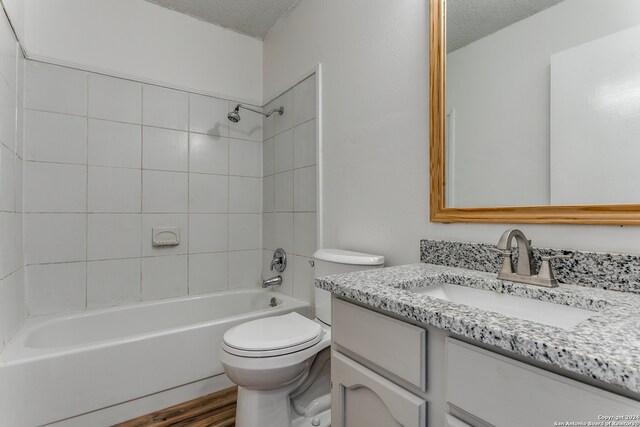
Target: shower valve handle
x=279, y=261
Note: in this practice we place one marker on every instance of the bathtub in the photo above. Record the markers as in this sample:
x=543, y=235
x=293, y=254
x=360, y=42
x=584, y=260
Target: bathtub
x=64, y=366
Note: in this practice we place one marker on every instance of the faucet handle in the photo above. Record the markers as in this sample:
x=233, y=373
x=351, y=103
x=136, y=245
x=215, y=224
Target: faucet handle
x=507, y=262
x=546, y=271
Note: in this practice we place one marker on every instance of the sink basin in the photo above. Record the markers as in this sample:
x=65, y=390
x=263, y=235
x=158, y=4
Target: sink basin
x=547, y=313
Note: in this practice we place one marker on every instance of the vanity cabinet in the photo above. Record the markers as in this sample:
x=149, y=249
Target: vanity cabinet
x=496, y=390
x=378, y=369
x=366, y=399
x=389, y=372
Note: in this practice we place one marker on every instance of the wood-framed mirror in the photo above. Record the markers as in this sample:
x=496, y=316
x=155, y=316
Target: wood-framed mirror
x=587, y=178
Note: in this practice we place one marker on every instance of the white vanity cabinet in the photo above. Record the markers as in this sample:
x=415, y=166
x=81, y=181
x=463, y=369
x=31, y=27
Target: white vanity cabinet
x=387, y=372
x=378, y=369
x=496, y=390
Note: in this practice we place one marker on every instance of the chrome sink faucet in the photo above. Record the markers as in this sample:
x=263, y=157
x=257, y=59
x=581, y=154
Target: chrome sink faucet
x=523, y=273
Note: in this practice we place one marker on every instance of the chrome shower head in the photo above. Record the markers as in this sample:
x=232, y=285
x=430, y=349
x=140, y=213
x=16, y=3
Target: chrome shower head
x=234, y=115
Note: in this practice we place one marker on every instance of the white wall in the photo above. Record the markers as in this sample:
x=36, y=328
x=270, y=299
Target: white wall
x=499, y=88
x=107, y=159
x=139, y=40
x=12, y=301
x=374, y=55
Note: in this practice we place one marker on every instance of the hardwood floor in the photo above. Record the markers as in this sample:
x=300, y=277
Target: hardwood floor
x=214, y=410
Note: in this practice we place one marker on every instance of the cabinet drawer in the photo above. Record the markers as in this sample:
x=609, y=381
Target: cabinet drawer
x=395, y=346
x=504, y=392
x=362, y=398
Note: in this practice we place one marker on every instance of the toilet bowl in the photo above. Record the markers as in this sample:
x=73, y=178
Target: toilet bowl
x=281, y=364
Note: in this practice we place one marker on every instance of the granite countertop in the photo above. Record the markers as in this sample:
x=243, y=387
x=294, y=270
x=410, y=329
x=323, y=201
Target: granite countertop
x=605, y=347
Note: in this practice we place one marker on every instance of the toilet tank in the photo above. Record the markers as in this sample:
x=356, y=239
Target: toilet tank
x=337, y=261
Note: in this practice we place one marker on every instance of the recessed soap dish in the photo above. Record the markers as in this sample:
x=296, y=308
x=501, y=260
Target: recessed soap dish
x=165, y=236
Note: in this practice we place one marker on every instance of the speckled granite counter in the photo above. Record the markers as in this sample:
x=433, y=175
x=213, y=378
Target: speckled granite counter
x=606, y=347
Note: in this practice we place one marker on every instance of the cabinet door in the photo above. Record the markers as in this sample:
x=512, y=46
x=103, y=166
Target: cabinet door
x=362, y=398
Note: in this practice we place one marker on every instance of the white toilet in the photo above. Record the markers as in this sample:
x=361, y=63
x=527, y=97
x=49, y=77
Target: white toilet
x=281, y=364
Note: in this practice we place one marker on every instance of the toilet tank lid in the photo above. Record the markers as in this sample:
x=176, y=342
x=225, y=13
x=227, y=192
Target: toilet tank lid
x=348, y=257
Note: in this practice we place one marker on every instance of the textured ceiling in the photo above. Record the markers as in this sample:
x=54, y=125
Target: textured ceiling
x=468, y=21
x=251, y=17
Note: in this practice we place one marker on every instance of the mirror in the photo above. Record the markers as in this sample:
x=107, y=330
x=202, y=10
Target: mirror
x=535, y=111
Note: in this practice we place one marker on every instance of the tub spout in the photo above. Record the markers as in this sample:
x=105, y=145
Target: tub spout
x=274, y=281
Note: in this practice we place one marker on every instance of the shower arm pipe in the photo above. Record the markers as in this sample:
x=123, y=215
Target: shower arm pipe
x=270, y=112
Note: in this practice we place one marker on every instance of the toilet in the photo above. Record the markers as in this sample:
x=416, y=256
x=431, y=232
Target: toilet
x=281, y=364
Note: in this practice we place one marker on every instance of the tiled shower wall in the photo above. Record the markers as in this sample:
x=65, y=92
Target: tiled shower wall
x=12, y=303
x=289, y=187
x=107, y=159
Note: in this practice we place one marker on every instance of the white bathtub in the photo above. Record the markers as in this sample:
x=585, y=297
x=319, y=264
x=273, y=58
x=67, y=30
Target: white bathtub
x=64, y=366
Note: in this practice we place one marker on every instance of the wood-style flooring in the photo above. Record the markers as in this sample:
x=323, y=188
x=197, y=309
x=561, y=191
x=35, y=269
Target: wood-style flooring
x=214, y=410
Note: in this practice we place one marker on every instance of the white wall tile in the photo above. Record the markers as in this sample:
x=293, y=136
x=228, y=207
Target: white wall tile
x=245, y=195
x=268, y=230
x=164, y=192
x=164, y=220
x=267, y=123
x=244, y=269
x=56, y=288
x=6, y=225
x=113, y=236
x=303, y=278
x=54, y=238
x=284, y=121
x=283, y=231
x=244, y=231
x=165, y=149
x=164, y=277
x=283, y=191
x=166, y=108
x=208, y=193
x=283, y=152
x=267, y=157
x=56, y=89
x=287, y=279
x=207, y=273
x=20, y=130
x=304, y=100
x=245, y=158
x=116, y=99
x=249, y=127
x=208, y=154
x=53, y=137
x=12, y=305
x=8, y=114
x=209, y=115
x=8, y=179
x=113, y=282
x=267, y=194
x=114, y=190
x=11, y=231
x=304, y=144
x=208, y=233
x=54, y=187
x=305, y=240
x=304, y=185
x=114, y=144
x=19, y=185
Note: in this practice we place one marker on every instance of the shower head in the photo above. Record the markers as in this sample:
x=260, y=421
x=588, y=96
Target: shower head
x=234, y=115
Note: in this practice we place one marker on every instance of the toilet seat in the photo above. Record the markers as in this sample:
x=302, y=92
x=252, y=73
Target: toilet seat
x=272, y=336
